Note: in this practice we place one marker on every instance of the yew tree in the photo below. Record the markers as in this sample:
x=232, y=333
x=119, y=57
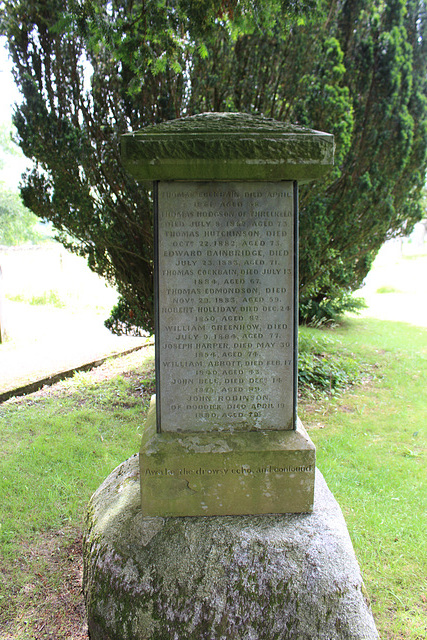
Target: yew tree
x=91, y=70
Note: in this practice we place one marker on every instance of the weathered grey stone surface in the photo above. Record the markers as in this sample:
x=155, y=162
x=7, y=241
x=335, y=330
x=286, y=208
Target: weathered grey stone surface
x=225, y=337
x=225, y=222
x=215, y=146
x=220, y=473
x=289, y=577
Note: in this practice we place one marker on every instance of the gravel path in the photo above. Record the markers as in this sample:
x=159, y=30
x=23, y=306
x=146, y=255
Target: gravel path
x=47, y=341
x=396, y=287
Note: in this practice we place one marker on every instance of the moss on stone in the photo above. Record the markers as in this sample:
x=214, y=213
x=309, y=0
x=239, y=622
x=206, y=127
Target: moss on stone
x=227, y=146
x=246, y=577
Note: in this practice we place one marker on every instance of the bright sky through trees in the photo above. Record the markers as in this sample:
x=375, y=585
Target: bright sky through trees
x=12, y=169
x=9, y=94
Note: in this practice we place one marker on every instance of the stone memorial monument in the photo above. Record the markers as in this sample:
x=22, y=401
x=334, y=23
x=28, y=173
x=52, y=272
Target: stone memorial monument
x=223, y=436
x=274, y=559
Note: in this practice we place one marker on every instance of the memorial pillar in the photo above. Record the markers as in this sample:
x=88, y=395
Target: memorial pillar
x=223, y=436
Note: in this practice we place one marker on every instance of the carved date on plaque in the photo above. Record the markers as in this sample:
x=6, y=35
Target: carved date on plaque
x=225, y=337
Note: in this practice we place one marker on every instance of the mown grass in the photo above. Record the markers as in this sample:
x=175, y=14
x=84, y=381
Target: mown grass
x=365, y=410
x=57, y=446
x=371, y=446
x=51, y=297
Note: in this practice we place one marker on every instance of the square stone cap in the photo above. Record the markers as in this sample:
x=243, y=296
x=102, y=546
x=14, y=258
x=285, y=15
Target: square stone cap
x=227, y=146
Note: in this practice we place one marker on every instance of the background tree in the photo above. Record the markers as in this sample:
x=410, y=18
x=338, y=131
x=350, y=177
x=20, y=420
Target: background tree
x=355, y=68
x=17, y=223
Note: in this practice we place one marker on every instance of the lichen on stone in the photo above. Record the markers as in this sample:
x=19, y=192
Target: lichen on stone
x=227, y=146
x=244, y=577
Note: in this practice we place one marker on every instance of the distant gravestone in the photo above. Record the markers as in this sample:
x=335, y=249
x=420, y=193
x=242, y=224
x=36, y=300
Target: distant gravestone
x=223, y=436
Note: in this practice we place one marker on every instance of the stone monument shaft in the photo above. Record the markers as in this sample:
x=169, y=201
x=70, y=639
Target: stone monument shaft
x=223, y=436
x=225, y=340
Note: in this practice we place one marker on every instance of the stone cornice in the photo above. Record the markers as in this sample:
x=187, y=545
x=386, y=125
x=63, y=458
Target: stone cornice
x=227, y=146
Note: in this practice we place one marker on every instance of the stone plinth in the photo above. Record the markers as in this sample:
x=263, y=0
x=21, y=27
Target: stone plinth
x=281, y=577
x=225, y=473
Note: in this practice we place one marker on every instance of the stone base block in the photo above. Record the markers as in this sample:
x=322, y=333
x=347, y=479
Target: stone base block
x=217, y=473
x=281, y=577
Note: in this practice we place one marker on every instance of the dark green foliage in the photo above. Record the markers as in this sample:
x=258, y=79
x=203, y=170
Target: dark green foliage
x=328, y=308
x=376, y=191
x=322, y=368
x=319, y=372
x=354, y=68
x=123, y=320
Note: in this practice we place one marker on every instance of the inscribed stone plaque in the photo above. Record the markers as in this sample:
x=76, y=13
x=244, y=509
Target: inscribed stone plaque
x=225, y=336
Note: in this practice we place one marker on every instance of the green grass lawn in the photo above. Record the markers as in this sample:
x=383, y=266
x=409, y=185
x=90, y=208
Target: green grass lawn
x=59, y=444
x=371, y=446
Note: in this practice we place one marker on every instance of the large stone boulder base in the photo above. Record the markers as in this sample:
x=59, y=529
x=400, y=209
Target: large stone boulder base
x=281, y=577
